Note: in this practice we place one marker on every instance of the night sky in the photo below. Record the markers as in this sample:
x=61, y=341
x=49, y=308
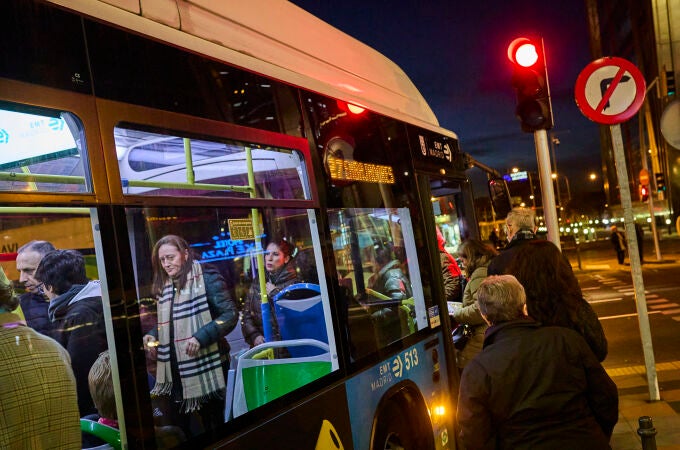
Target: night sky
x=455, y=52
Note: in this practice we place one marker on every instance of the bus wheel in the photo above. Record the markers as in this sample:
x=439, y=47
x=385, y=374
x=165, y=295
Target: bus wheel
x=402, y=423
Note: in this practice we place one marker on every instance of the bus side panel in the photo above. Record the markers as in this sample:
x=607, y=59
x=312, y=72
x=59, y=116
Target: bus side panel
x=419, y=364
x=322, y=423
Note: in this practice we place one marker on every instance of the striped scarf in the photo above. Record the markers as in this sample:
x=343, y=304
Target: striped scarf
x=187, y=311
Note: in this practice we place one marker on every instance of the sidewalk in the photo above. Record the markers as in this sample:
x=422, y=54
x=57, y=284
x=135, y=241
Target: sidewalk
x=634, y=403
x=632, y=380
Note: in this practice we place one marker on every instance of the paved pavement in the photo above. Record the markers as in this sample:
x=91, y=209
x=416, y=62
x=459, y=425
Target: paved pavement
x=631, y=381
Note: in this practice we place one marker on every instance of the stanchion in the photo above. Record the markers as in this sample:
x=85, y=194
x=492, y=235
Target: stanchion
x=647, y=433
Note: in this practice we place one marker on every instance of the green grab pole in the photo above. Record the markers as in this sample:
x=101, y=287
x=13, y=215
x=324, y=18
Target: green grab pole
x=191, y=177
x=264, y=300
x=41, y=178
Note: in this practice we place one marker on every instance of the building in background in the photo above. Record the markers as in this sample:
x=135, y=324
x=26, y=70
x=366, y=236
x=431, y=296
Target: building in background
x=647, y=33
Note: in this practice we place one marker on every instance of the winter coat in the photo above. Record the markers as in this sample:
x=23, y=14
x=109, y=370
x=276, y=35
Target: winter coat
x=77, y=318
x=500, y=262
x=39, y=408
x=536, y=387
x=34, y=307
x=252, y=311
x=469, y=314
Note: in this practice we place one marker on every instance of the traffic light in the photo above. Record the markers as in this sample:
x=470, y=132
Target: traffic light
x=660, y=182
x=644, y=192
x=670, y=82
x=530, y=80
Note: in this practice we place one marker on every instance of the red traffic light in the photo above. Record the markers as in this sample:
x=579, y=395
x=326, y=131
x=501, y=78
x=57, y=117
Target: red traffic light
x=644, y=193
x=530, y=80
x=523, y=52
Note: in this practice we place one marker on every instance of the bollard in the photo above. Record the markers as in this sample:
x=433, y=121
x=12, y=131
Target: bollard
x=647, y=433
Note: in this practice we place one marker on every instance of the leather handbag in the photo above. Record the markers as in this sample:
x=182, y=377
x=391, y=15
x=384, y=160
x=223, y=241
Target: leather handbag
x=461, y=335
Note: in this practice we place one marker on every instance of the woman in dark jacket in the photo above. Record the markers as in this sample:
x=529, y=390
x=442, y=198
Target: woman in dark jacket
x=554, y=296
x=76, y=315
x=184, y=340
x=279, y=273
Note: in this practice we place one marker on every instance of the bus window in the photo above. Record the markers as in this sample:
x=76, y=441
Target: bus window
x=42, y=150
x=67, y=280
x=160, y=163
x=447, y=206
x=378, y=273
x=264, y=356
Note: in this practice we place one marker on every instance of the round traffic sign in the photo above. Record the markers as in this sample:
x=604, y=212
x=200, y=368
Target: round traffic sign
x=644, y=176
x=610, y=90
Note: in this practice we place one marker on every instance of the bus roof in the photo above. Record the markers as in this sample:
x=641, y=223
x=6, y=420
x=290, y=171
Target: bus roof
x=278, y=39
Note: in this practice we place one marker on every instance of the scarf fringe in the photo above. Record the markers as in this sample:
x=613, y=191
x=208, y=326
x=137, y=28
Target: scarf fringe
x=160, y=389
x=194, y=404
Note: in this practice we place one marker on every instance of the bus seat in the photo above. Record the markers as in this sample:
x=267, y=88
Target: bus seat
x=299, y=313
x=106, y=433
x=259, y=381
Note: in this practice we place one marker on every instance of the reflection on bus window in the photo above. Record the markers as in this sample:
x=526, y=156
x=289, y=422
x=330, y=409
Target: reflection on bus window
x=153, y=163
x=446, y=204
x=377, y=271
x=42, y=150
x=49, y=256
x=274, y=347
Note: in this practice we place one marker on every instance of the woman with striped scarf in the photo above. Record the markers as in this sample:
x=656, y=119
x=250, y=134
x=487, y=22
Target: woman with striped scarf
x=195, y=313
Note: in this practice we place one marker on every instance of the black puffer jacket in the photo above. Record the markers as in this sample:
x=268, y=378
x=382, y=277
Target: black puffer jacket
x=78, y=325
x=252, y=311
x=34, y=307
x=500, y=262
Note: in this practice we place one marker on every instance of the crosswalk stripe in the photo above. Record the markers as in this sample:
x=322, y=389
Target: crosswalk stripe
x=671, y=311
x=665, y=306
x=641, y=370
x=628, y=315
x=653, y=302
x=606, y=300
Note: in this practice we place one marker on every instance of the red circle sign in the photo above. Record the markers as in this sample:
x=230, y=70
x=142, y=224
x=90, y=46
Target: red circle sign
x=610, y=90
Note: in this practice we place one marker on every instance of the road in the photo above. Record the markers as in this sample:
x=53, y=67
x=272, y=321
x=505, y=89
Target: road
x=609, y=289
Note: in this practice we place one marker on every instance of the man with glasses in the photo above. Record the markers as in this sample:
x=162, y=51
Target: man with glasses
x=33, y=302
x=520, y=228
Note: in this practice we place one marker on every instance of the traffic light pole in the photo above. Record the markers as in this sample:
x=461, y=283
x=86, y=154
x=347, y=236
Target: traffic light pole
x=547, y=192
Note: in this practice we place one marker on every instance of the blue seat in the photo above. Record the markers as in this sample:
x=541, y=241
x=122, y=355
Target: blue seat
x=299, y=313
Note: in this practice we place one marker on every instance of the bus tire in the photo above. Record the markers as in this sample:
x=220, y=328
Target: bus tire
x=401, y=422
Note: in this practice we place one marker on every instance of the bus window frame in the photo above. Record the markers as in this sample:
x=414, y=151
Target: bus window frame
x=82, y=106
x=112, y=113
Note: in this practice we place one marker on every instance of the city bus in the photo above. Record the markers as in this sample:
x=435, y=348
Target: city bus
x=233, y=125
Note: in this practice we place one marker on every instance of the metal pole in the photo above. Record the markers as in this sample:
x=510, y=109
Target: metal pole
x=553, y=143
x=531, y=191
x=549, y=210
x=650, y=198
x=635, y=267
x=647, y=433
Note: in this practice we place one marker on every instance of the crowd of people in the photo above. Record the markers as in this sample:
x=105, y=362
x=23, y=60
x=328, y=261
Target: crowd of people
x=531, y=373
